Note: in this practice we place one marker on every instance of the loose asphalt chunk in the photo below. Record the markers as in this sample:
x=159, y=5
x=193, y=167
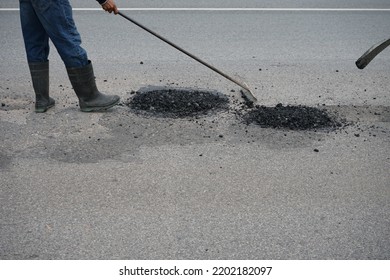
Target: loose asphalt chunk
x=291, y=117
x=177, y=103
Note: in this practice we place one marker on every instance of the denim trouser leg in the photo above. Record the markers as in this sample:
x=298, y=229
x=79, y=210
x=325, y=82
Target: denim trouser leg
x=53, y=17
x=36, y=40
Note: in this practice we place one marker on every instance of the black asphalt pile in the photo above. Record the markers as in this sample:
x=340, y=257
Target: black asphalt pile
x=178, y=103
x=291, y=117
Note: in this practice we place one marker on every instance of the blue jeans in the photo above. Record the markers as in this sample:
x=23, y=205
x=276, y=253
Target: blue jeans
x=44, y=19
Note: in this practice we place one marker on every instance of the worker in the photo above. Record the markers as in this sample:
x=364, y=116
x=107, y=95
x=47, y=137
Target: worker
x=42, y=20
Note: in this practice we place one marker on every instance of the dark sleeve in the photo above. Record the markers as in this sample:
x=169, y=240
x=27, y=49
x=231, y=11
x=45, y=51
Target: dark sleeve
x=101, y=1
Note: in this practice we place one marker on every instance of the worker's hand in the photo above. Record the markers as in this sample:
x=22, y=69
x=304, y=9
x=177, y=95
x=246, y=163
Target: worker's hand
x=110, y=6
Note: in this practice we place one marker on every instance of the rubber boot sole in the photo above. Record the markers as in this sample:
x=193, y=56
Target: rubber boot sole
x=99, y=108
x=43, y=109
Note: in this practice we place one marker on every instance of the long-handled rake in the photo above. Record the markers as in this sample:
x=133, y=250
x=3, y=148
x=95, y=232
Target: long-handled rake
x=246, y=92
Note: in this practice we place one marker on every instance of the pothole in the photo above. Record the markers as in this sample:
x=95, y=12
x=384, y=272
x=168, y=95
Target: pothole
x=292, y=117
x=177, y=102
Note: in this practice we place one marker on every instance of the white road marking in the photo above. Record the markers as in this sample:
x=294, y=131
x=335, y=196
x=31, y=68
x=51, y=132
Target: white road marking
x=232, y=9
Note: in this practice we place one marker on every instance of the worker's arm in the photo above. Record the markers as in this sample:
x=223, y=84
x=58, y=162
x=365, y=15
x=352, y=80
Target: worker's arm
x=109, y=6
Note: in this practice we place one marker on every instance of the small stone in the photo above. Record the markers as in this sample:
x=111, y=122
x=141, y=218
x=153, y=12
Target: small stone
x=141, y=62
x=357, y=134
x=316, y=150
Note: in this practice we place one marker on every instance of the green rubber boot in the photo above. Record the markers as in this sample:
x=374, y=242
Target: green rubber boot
x=40, y=80
x=90, y=98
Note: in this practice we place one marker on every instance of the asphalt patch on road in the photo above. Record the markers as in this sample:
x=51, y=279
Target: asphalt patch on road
x=177, y=102
x=190, y=103
x=292, y=117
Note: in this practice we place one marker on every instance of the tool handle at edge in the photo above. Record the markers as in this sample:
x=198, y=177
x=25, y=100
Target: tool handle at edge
x=369, y=55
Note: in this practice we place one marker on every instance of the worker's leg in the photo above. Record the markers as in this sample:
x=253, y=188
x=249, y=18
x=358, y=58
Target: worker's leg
x=36, y=43
x=36, y=40
x=57, y=19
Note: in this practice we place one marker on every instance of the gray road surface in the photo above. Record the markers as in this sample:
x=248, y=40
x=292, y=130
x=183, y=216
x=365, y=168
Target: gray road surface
x=117, y=185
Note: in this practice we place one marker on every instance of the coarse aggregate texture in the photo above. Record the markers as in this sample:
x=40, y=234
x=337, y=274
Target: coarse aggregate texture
x=177, y=103
x=291, y=117
x=189, y=103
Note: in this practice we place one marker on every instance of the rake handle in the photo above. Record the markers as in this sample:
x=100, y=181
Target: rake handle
x=184, y=51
